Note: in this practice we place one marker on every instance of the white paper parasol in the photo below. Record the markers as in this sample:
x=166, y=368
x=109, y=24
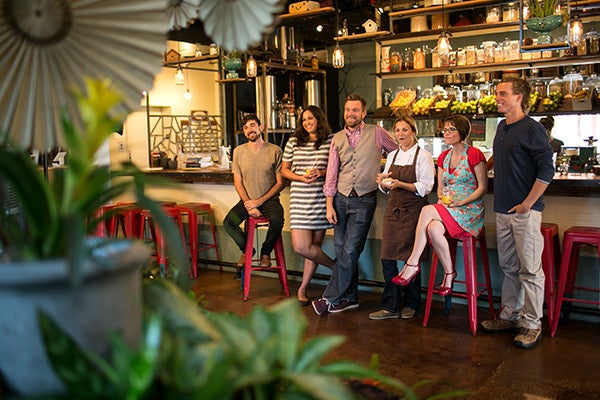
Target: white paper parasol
x=49, y=46
x=236, y=24
x=182, y=13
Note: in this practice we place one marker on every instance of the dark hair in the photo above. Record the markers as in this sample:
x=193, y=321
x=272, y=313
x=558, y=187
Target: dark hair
x=461, y=123
x=548, y=123
x=522, y=87
x=250, y=117
x=357, y=97
x=323, y=129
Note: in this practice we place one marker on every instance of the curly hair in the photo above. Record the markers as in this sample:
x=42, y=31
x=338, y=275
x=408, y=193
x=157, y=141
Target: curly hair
x=323, y=128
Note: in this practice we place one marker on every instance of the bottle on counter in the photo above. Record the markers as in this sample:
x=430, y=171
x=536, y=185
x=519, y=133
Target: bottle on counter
x=314, y=60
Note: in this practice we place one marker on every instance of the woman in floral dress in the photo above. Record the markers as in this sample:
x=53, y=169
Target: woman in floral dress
x=463, y=170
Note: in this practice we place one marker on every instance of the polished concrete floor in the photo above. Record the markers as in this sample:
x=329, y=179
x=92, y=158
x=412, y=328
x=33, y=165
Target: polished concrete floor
x=566, y=367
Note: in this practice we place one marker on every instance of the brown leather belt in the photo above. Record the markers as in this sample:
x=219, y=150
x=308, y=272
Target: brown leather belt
x=370, y=194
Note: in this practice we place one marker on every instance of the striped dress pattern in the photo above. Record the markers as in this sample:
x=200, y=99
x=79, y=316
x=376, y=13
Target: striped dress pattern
x=307, y=201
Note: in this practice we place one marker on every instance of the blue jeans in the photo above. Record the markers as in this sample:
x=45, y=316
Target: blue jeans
x=390, y=299
x=271, y=209
x=354, y=215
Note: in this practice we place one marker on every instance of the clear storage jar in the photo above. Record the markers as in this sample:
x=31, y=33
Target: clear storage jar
x=489, y=50
x=493, y=15
x=419, y=59
x=510, y=12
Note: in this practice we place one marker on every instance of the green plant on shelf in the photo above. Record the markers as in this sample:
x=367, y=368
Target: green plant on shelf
x=542, y=9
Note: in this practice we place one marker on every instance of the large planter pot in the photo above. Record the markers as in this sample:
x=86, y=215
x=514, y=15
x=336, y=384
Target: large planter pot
x=543, y=26
x=107, y=301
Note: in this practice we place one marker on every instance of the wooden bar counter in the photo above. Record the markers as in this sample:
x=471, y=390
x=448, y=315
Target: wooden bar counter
x=572, y=185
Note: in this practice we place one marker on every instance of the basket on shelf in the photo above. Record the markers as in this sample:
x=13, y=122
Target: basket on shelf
x=441, y=106
x=402, y=104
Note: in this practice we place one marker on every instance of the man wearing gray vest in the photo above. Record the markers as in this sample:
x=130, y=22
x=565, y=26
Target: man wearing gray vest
x=351, y=192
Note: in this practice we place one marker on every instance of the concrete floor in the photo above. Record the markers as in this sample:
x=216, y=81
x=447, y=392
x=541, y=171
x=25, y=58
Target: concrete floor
x=566, y=367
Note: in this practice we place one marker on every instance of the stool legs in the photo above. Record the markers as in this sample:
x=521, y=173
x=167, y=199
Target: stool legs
x=251, y=225
x=574, y=238
x=550, y=259
x=470, y=264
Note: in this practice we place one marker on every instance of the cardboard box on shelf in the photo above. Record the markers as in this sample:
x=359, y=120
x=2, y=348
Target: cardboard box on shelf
x=303, y=6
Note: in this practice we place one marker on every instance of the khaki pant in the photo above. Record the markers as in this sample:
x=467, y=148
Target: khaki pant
x=520, y=245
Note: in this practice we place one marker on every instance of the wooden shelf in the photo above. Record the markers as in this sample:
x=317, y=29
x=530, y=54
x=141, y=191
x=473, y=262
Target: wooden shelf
x=187, y=60
x=362, y=36
x=234, y=80
x=521, y=64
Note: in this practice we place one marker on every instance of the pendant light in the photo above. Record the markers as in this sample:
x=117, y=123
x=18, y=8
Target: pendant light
x=575, y=29
x=338, y=57
x=179, y=79
x=338, y=54
x=443, y=44
x=251, y=67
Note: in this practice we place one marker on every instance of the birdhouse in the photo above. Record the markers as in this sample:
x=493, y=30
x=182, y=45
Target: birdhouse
x=172, y=56
x=370, y=26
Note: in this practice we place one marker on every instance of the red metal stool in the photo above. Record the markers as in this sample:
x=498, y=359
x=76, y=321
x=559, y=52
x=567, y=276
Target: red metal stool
x=573, y=239
x=469, y=244
x=146, y=220
x=550, y=261
x=193, y=211
x=251, y=225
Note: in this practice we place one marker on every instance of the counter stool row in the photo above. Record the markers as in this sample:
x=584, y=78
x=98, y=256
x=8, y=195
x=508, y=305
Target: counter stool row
x=135, y=222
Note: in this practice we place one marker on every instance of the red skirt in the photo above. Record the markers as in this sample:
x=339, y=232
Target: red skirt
x=452, y=227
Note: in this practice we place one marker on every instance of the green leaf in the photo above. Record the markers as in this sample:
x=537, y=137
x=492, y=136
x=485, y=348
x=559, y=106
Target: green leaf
x=76, y=370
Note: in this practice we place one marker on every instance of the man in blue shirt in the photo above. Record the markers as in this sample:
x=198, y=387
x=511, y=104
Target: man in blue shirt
x=523, y=170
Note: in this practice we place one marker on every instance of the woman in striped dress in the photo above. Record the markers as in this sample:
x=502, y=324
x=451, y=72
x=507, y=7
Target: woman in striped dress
x=304, y=164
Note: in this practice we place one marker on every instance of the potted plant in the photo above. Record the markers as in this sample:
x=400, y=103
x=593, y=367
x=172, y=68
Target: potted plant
x=201, y=355
x=92, y=286
x=544, y=18
x=232, y=62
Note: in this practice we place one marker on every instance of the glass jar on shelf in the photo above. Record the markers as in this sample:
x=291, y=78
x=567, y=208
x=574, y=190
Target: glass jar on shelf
x=556, y=85
x=573, y=82
x=510, y=12
x=408, y=59
x=461, y=57
x=493, y=15
x=539, y=86
x=419, y=59
x=592, y=39
x=471, y=56
x=489, y=50
x=395, y=61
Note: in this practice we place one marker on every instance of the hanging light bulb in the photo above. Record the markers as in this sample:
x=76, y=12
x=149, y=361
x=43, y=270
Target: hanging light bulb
x=179, y=79
x=251, y=67
x=575, y=31
x=443, y=48
x=187, y=95
x=338, y=57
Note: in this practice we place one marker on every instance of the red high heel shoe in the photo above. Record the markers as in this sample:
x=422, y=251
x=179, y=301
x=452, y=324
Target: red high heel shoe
x=401, y=281
x=445, y=291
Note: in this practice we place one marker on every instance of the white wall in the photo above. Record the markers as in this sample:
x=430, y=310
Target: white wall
x=166, y=98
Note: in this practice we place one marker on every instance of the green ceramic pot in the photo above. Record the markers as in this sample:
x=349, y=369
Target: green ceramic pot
x=543, y=26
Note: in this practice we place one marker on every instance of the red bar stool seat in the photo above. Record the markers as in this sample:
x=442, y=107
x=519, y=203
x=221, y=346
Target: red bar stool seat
x=469, y=245
x=573, y=239
x=251, y=225
x=550, y=261
x=194, y=212
x=157, y=237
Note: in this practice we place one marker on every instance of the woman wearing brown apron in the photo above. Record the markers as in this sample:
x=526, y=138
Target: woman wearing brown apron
x=408, y=178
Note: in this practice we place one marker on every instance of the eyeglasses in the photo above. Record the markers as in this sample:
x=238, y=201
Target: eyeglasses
x=451, y=129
